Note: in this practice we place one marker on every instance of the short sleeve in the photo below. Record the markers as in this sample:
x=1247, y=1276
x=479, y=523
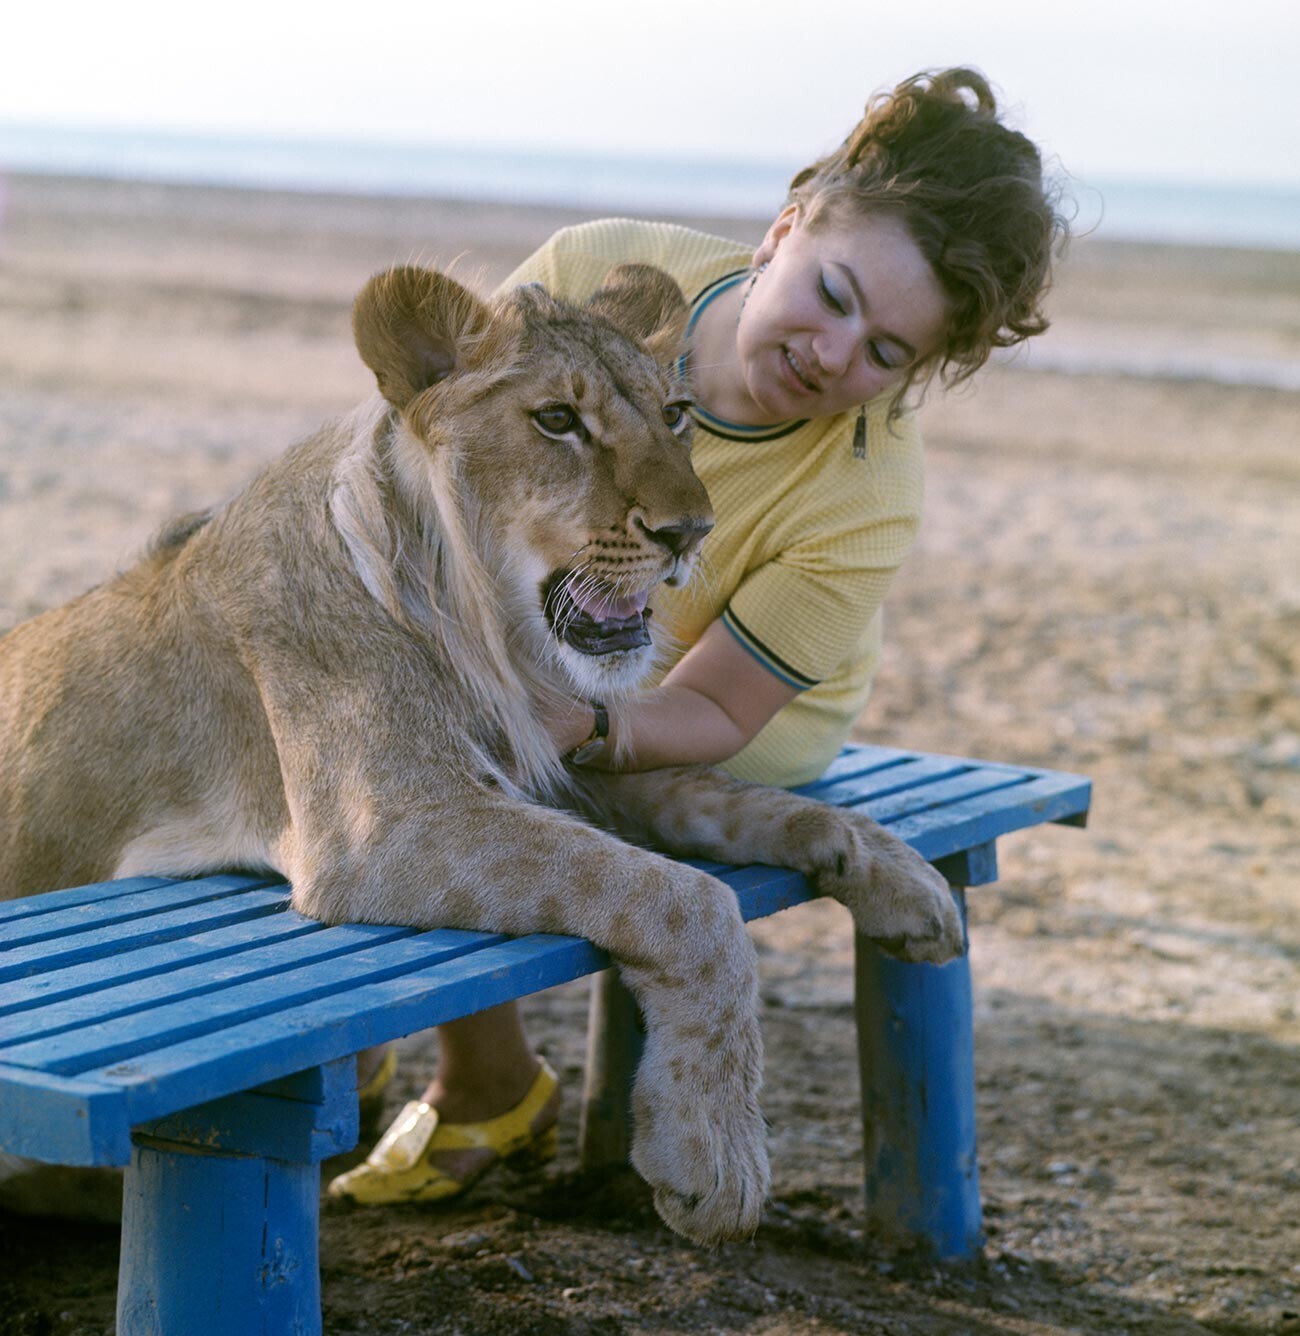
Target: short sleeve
x=804, y=614
x=805, y=611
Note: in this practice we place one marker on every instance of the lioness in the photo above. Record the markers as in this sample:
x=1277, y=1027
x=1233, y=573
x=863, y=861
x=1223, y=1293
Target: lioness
x=343, y=673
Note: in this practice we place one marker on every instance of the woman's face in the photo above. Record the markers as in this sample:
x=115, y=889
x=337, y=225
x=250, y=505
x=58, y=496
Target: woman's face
x=841, y=312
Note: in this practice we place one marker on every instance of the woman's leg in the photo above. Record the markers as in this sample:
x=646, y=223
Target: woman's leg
x=485, y=1065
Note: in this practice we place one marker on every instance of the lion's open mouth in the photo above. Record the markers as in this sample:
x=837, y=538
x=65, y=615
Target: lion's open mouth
x=592, y=617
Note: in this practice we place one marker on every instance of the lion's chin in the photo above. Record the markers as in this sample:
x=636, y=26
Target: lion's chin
x=611, y=673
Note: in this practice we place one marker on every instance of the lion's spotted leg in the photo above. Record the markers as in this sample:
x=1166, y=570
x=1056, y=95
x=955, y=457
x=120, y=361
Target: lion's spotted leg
x=699, y=1137
x=896, y=898
x=702, y=1054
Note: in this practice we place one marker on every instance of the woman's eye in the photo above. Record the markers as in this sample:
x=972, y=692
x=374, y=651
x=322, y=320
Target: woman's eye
x=558, y=420
x=830, y=298
x=675, y=416
x=884, y=356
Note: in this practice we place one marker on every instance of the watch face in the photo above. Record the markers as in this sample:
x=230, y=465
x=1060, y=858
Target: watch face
x=587, y=751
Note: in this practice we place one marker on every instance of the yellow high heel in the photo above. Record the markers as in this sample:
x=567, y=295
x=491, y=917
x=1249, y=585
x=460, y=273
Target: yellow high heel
x=404, y=1167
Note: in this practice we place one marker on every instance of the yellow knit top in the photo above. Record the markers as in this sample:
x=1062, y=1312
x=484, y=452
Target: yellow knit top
x=809, y=532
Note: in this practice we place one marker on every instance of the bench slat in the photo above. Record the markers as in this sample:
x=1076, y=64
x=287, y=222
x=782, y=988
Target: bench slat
x=255, y=1051
x=980, y=818
x=38, y=990
x=11, y=911
x=859, y=761
x=177, y=987
x=121, y=1039
x=104, y=911
x=910, y=776
x=63, y=1121
x=125, y=1019
x=105, y=943
x=163, y=1078
x=941, y=795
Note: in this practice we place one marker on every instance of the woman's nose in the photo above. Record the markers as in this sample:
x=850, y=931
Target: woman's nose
x=835, y=348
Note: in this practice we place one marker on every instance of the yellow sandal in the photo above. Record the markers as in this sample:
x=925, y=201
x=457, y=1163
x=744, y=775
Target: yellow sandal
x=403, y=1168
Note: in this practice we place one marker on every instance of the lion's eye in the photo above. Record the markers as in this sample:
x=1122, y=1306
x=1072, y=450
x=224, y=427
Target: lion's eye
x=558, y=420
x=675, y=415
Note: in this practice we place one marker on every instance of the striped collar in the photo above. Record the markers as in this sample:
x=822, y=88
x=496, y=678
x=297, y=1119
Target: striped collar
x=731, y=431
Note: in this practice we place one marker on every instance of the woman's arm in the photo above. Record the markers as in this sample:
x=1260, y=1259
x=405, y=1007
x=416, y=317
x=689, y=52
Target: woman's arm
x=712, y=703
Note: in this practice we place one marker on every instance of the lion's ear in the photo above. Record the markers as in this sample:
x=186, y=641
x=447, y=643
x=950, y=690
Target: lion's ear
x=415, y=327
x=645, y=303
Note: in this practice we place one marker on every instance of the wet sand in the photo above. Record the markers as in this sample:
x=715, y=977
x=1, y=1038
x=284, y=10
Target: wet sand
x=1108, y=581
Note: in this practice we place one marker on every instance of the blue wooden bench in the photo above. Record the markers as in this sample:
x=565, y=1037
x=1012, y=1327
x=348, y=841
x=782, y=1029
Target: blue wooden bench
x=200, y=1032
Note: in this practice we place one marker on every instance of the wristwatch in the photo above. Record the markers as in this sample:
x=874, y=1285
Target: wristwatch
x=594, y=743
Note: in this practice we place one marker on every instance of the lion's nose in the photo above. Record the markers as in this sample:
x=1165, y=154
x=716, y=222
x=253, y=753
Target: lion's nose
x=677, y=538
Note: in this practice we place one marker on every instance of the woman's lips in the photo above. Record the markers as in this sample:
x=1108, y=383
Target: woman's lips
x=796, y=375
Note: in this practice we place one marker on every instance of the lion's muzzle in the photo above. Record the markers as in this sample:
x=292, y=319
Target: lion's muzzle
x=591, y=617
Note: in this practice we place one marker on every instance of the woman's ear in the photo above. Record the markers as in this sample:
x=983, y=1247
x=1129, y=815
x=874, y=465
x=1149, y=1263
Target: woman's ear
x=781, y=228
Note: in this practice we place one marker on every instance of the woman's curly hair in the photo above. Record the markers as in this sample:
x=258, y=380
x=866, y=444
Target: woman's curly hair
x=971, y=193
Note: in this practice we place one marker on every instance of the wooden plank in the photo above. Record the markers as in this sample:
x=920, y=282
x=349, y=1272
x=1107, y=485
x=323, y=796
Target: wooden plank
x=320, y=1029
x=256, y=1051
x=120, y=1039
x=106, y=911
x=259, y=1122
x=42, y=989
x=317, y=1085
x=905, y=777
x=940, y=795
x=761, y=891
x=856, y=761
x=105, y=943
x=984, y=817
x=51, y=901
x=849, y=760
x=259, y=960
x=61, y=1120
x=977, y=866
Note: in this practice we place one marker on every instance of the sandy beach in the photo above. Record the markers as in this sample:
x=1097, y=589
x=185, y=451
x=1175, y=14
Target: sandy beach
x=1108, y=581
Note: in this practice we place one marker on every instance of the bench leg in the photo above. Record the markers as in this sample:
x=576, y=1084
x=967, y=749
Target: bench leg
x=221, y=1210
x=615, y=1037
x=218, y=1244
x=916, y=1045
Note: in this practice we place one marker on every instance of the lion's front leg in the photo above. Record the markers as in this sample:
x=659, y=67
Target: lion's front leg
x=896, y=898
x=487, y=862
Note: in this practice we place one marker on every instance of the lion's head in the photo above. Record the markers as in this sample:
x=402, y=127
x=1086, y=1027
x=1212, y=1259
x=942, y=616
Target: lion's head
x=549, y=446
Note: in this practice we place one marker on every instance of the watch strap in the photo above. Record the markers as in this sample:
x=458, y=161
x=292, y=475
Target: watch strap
x=594, y=743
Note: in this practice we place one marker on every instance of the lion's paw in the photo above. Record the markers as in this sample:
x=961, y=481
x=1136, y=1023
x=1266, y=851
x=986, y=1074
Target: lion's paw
x=896, y=898
x=705, y=1158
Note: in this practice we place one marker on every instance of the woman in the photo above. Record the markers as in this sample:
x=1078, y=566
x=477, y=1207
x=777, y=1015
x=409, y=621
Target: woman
x=918, y=246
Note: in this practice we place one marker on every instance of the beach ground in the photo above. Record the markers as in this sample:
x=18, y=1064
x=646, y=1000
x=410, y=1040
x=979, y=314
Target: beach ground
x=1108, y=581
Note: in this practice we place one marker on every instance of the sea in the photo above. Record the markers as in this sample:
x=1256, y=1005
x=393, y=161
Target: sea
x=1129, y=210
x=1194, y=214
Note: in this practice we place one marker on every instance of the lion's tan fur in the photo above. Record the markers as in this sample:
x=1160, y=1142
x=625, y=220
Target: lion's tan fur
x=342, y=674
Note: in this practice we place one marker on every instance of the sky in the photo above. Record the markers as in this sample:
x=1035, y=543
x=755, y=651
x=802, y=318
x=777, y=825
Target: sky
x=1170, y=90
